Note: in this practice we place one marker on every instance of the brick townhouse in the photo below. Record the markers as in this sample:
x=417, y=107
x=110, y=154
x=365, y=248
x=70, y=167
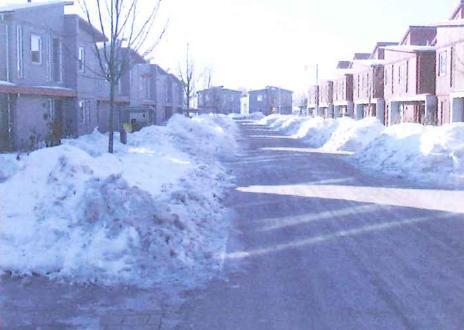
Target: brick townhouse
x=343, y=90
x=313, y=100
x=368, y=83
x=409, y=78
x=326, y=107
x=219, y=100
x=271, y=100
x=449, y=45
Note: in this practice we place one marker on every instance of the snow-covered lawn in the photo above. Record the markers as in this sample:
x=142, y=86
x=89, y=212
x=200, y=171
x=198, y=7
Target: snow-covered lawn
x=421, y=153
x=151, y=212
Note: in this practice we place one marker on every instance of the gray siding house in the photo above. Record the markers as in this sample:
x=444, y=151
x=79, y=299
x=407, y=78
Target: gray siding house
x=271, y=100
x=81, y=73
x=35, y=103
x=219, y=100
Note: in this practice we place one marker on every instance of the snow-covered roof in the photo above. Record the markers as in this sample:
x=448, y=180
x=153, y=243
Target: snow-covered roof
x=410, y=48
x=369, y=62
x=14, y=6
x=452, y=23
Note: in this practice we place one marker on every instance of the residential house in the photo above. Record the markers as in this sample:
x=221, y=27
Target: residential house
x=368, y=83
x=409, y=78
x=313, y=100
x=450, y=68
x=219, y=100
x=245, y=104
x=36, y=106
x=343, y=90
x=83, y=74
x=271, y=100
x=326, y=106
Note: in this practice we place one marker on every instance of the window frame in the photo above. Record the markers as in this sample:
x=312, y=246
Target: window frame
x=81, y=59
x=37, y=37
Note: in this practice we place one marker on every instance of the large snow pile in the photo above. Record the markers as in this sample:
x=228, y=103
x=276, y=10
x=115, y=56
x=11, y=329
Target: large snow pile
x=250, y=116
x=342, y=134
x=423, y=153
x=150, y=212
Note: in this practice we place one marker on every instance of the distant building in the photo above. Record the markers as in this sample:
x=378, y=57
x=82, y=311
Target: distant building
x=219, y=100
x=245, y=101
x=271, y=100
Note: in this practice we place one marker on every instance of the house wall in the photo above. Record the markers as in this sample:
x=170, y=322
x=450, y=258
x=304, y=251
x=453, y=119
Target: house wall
x=35, y=74
x=343, y=89
x=400, y=75
x=326, y=93
x=221, y=100
x=368, y=83
x=452, y=81
x=313, y=96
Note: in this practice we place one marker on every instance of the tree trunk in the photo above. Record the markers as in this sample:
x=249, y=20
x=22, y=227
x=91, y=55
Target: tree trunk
x=111, y=119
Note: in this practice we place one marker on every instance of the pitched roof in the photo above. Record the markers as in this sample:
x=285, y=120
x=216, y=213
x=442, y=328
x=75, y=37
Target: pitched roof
x=416, y=29
x=361, y=56
x=12, y=7
x=460, y=8
x=89, y=28
x=343, y=64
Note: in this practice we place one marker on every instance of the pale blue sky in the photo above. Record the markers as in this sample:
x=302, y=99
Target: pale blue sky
x=252, y=43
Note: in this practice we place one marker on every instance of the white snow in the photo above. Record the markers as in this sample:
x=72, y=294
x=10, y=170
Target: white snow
x=421, y=153
x=6, y=83
x=13, y=5
x=152, y=212
x=251, y=116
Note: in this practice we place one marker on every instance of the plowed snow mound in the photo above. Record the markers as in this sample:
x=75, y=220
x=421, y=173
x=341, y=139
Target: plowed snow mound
x=151, y=212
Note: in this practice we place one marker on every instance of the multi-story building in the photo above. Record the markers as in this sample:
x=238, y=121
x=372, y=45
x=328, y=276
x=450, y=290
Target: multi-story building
x=313, y=100
x=219, y=100
x=35, y=103
x=343, y=90
x=450, y=68
x=81, y=73
x=409, y=78
x=326, y=107
x=51, y=84
x=271, y=100
x=368, y=83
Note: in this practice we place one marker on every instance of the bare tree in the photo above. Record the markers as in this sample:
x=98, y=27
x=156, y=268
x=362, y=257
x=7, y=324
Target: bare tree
x=208, y=73
x=189, y=78
x=128, y=26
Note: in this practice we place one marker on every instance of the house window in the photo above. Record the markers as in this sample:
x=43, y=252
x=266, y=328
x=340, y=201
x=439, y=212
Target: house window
x=442, y=63
x=407, y=76
x=36, y=49
x=81, y=59
x=260, y=98
x=20, y=51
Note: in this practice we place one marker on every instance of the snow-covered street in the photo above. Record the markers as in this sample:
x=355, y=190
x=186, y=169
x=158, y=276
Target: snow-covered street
x=319, y=244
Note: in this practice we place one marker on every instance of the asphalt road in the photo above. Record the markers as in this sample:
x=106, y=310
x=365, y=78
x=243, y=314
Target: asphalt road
x=319, y=244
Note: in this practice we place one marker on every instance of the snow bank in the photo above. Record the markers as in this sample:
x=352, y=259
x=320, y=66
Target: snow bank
x=251, y=116
x=422, y=153
x=343, y=134
x=151, y=212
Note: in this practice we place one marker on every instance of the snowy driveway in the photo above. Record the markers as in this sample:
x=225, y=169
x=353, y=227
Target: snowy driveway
x=320, y=245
